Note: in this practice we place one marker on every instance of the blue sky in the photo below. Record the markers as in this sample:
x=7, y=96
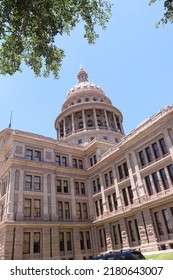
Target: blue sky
x=132, y=62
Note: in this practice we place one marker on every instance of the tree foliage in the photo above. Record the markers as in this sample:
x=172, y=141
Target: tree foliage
x=168, y=11
x=28, y=29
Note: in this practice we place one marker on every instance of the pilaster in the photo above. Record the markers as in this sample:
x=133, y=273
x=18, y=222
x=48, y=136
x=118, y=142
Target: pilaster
x=19, y=215
x=53, y=199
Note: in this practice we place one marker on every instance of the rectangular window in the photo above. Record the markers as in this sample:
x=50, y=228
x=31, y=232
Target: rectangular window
x=58, y=186
x=80, y=164
x=69, y=241
x=120, y=171
x=37, y=208
x=126, y=172
x=156, y=150
x=94, y=186
x=125, y=197
x=163, y=146
x=115, y=201
x=156, y=182
x=148, y=185
x=101, y=238
x=158, y=223
x=149, y=155
x=77, y=188
x=137, y=229
x=97, y=208
x=27, y=207
x=74, y=162
x=88, y=241
x=120, y=236
x=106, y=180
x=170, y=171
x=60, y=210
x=61, y=241
x=110, y=203
x=95, y=159
x=64, y=161
x=167, y=221
x=37, y=155
x=111, y=177
x=98, y=184
x=91, y=161
x=82, y=188
x=67, y=210
x=26, y=243
x=28, y=182
x=78, y=210
x=58, y=160
x=164, y=179
x=81, y=240
x=115, y=235
x=130, y=194
x=37, y=183
x=29, y=154
x=36, y=248
x=132, y=234
x=85, y=211
x=101, y=206
x=65, y=185
x=142, y=158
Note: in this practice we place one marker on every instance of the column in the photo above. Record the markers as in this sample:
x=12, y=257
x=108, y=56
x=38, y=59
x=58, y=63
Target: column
x=84, y=119
x=132, y=181
x=53, y=199
x=142, y=229
x=76, y=243
x=121, y=126
x=106, y=118
x=10, y=200
x=73, y=202
x=19, y=215
x=95, y=118
x=108, y=237
x=150, y=232
x=64, y=128
x=73, y=125
x=45, y=199
x=140, y=187
x=18, y=243
x=46, y=243
x=55, y=243
x=90, y=201
x=115, y=122
x=118, y=195
x=124, y=235
x=94, y=238
x=103, y=196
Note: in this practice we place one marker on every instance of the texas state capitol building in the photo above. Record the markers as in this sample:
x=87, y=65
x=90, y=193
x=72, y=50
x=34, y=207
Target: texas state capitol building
x=92, y=190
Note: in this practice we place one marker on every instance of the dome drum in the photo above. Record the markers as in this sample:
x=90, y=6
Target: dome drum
x=87, y=113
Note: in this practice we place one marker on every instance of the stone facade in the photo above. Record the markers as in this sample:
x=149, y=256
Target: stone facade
x=92, y=190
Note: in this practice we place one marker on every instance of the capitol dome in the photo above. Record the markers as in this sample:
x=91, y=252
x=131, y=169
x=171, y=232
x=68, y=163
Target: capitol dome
x=88, y=113
x=84, y=91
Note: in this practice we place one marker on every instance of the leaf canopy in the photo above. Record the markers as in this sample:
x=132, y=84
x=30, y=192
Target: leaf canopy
x=28, y=29
x=168, y=14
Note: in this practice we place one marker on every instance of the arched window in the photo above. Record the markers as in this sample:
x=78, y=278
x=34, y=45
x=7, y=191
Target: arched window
x=90, y=123
x=80, y=125
x=99, y=122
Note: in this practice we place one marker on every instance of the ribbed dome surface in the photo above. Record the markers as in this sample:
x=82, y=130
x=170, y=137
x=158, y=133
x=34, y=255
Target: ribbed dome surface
x=83, y=85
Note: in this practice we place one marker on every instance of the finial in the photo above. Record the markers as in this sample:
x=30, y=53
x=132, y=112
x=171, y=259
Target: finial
x=82, y=76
